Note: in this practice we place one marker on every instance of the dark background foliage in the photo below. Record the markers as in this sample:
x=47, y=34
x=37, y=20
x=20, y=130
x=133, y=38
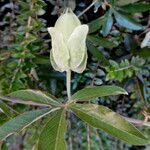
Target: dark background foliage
x=115, y=57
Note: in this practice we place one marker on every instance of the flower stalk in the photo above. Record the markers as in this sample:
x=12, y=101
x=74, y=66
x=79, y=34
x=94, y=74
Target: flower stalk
x=68, y=83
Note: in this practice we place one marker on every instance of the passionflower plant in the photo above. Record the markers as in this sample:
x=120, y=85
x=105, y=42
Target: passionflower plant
x=69, y=50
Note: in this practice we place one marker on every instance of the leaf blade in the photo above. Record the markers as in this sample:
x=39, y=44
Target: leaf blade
x=7, y=110
x=101, y=117
x=20, y=122
x=52, y=136
x=134, y=8
x=126, y=21
x=108, y=22
x=94, y=92
x=95, y=24
x=35, y=96
x=97, y=54
x=101, y=41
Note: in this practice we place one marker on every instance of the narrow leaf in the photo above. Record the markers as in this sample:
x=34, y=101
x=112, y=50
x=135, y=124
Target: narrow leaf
x=35, y=96
x=127, y=22
x=43, y=60
x=103, y=118
x=94, y=92
x=135, y=8
x=7, y=110
x=52, y=136
x=97, y=54
x=22, y=121
x=108, y=22
x=125, y=2
x=99, y=41
x=144, y=52
x=95, y=24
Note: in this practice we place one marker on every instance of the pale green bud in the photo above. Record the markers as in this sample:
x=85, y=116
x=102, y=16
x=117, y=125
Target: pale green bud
x=69, y=50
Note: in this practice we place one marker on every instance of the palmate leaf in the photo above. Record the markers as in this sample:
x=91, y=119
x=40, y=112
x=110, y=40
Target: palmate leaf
x=103, y=118
x=34, y=96
x=22, y=121
x=52, y=136
x=94, y=92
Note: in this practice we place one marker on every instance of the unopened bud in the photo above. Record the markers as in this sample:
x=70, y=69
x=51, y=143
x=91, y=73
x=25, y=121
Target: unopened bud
x=69, y=50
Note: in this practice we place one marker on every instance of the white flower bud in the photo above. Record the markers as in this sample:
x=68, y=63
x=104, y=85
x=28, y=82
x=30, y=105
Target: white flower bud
x=69, y=50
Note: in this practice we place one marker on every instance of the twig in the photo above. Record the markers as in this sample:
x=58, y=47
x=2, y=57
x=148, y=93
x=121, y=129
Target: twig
x=85, y=10
x=10, y=99
x=88, y=137
x=124, y=68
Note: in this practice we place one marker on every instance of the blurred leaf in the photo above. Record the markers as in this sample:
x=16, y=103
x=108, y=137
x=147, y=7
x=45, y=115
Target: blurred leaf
x=35, y=96
x=99, y=41
x=7, y=110
x=138, y=7
x=144, y=52
x=53, y=134
x=20, y=122
x=103, y=118
x=42, y=60
x=4, y=55
x=124, y=69
x=146, y=41
x=127, y=22
x=97, y=54
x=108, y=22
x=3, y=118
x=95, y=24
x=125, y=2
x=91, y=93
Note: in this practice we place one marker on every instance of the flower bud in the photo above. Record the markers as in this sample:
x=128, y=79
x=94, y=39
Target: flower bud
x=69, y=50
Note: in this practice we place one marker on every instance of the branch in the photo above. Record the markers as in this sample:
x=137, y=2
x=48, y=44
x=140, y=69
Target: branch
x=85, y=10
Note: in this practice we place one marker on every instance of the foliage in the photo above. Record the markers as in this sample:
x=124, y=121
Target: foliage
x=124, y=69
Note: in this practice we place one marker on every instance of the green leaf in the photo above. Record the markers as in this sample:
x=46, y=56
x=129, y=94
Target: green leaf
x=97, y=54
x=127, y=22
x=144, y=52
x=52, y=136
x=104, y=118
x=135, y=8
x=7, y=110
x=108, y=22
x=125, y=2
x=95, y=24
x=99, y=41
x=44, y=60
x=35, y=96
x=22, y=121
x=94, y=92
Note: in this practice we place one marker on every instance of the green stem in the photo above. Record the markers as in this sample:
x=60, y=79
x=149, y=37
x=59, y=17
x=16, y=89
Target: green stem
x=68, y=84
